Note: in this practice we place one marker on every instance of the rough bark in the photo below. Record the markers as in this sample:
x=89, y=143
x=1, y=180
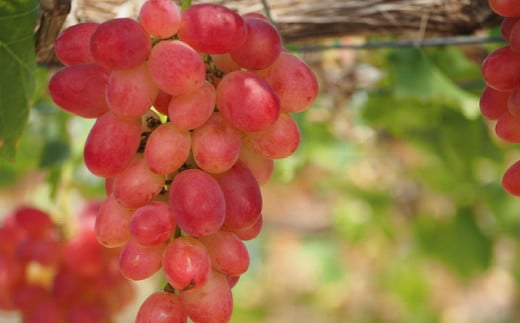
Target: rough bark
x=301, y=20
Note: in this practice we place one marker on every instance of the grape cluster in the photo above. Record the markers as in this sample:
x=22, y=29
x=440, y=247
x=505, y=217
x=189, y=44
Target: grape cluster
x=500, y=99
x=50, y=279
x=191, y=109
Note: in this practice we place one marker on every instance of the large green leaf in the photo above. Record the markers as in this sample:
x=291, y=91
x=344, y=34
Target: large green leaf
x=18, y=66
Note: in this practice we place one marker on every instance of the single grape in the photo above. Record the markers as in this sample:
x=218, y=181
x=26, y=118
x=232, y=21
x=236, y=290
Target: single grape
x=176, y=68
x=507, y=8
x=216, y=145
x=229, y=255
x=279, y=140
x=514, y=37
x=493, y=103
x=120, y=43
x=112, y=223
x=293, y=82
x=192, y=109
x=167, y=148
x=507, y=24
x=501, y=69
x=80, y=89
x=252, y=231
x=513, y=102
x=261, y=47
x=211, y=28
x=507, y=128
x=213, y=303
x=111, y=145
x=162, y=101
x=197, y=203
x=83, y=255
x=136, y=185
x=138, y=262
x=161, y=307
x=35, y=222
x=511, y=179
x=160, y=18
x=131, y=92
x=152, y=224
x=242, y=195
x=247, y=101
x=72, y=45
x=186, y=263
x=261, y=167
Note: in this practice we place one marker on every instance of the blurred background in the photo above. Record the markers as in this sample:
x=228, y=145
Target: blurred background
x=392, y=208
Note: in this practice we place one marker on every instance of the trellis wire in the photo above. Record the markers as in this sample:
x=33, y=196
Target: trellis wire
x=430, y=42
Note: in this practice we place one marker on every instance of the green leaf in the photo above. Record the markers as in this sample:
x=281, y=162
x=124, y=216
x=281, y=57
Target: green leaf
x=18, y=66
x=415, y=76
x=459, y=242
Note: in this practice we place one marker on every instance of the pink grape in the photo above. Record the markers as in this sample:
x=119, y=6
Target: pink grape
x=84, y=255
x=211, y=28
x=186, y=263
x=80, y=89
x=35, y=222
x=252, y=231
x=513, y=102
x=247, y=101
x=213, y=303
x=501, y=69
x=190, y=110
x=197, y=203
x=229, y=255
x=507, y=128
x=224, y=63
x=112, y=223
x=131, y=92
x=136, y=185
x=46, y=312
x=507, y=24
x=72, y=45
x=167, y=148
x=162, y=101
x=46, y=251
x=511, y=179
x=261, y=167
x=161, y=307
x=176, y=68
x=27, y=297
x=293, y=82
x=138, y=262
x=242, y=195
x=514, y=37
x=160, y=18
x=507, y=8
x=111, y=145
x=216, y=145
x=152, y=224
x=261, y=47
x=279, y=140
x=493, y=103
x=120, y=43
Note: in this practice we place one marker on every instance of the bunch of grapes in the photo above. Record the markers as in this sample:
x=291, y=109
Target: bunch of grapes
x=192, y=108
x=500, y=100
x=48, y=278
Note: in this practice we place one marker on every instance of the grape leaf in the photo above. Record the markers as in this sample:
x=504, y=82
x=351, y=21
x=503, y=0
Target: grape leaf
x=18, y=66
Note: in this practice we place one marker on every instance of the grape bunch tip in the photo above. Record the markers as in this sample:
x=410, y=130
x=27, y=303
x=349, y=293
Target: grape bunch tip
x=191, y=109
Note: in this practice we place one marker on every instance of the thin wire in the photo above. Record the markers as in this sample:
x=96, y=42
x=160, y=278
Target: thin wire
x=457, y=40
x=267, y=10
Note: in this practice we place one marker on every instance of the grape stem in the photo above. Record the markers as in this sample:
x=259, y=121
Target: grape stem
x=185, y=4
